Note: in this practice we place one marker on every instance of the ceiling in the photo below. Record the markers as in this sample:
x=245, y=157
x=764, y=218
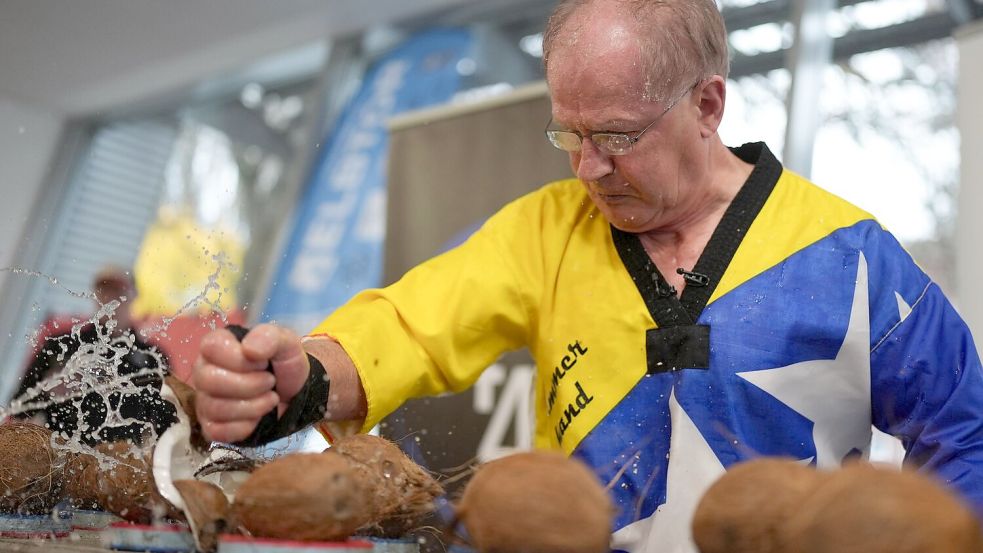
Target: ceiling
x=78, y=57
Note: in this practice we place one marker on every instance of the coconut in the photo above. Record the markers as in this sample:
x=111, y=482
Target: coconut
x=181, y=452
x=303, y=496
x=30, y=472
x=536, y=502
x=81, y=481
x=182, y=457
x=178, y=453
x=207, y=510
x=401, y=493
x=119, y=479
x=183, y=397
x=865, y=509
x=743, y=510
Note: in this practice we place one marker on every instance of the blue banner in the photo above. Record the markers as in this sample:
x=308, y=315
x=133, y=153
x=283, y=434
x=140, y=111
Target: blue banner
x=335, y=247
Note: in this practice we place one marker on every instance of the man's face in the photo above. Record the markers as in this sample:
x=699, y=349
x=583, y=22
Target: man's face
x=598, y=83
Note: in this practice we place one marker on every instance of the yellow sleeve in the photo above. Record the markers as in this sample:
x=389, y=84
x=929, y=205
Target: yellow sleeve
x=449, y=318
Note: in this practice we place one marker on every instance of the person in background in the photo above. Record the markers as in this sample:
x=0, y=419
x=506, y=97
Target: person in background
x=105, y=378
x=688, y=305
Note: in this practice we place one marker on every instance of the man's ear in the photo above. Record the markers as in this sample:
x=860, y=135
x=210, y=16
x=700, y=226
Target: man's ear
x=712, y=93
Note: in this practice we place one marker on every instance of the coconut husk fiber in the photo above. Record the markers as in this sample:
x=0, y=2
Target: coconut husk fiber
x=867, y=509
x=303, y=496
x=536, y=502
x=30, y=470
x=743, y=511
x=125, y=487
x=81, y=481
x=401, y=492
x=185, y=395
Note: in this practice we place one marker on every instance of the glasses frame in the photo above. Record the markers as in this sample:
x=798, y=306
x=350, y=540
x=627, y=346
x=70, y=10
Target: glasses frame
x=555, y=135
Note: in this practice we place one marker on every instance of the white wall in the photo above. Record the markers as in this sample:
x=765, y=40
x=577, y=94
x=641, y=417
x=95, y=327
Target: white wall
x=97, y=56
x=969, y=226
x=28, y=138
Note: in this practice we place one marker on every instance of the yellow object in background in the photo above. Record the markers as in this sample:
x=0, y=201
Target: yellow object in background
x=185, y=268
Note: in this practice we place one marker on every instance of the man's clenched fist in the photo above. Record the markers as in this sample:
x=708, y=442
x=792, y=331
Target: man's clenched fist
x=234, y=389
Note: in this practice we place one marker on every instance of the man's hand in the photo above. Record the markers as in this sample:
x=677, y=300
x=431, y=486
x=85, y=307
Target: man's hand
x=234, y=389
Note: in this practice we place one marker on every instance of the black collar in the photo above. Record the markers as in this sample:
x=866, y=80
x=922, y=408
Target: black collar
x=666, y=309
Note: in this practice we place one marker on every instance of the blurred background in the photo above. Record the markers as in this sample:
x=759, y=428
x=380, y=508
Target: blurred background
x=249, y=161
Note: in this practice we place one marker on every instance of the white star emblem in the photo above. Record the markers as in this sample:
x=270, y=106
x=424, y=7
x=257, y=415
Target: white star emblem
x=903, y=308
x=833, y=394
x=692, y=467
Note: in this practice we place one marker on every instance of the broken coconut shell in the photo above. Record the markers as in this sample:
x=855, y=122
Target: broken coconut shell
x=184, y=396
x=126, y=487
x=81, y=481
x=207, y=510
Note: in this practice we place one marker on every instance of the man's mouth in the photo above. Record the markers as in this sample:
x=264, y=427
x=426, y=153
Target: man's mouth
x=611, y=195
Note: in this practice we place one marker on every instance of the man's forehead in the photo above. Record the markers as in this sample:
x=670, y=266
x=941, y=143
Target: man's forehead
x=596, y=71
x=605, y=50
x=601, y=92
x=598, y=33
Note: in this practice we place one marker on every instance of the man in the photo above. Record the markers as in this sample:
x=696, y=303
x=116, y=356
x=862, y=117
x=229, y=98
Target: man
x=101, y=382
x=688, y=306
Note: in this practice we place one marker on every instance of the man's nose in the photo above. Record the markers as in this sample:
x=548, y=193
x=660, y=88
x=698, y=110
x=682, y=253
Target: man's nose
x=590, y=163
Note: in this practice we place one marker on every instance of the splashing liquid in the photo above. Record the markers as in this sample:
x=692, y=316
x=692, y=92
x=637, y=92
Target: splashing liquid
x=98, y=371
x=100, y=368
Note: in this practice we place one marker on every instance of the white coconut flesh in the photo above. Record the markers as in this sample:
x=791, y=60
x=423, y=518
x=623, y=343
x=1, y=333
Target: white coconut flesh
x=176, y=459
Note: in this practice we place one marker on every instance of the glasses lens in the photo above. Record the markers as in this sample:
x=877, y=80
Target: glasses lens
x=612, y=144
x=564, y=140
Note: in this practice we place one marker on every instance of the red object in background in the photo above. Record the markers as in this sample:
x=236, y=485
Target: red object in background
x=54, y=325
x=182, y=337
x=179, y=340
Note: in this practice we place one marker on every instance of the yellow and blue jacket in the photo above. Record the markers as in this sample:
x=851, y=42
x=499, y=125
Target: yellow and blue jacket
x=803, y=323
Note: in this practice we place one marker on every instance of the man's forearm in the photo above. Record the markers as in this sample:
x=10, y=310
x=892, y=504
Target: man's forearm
x=346, y=397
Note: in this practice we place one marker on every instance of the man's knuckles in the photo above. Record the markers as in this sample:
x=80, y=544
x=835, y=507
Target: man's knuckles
x=220, y=382
x=221, y=348
x=227, y=431
x=221, y=409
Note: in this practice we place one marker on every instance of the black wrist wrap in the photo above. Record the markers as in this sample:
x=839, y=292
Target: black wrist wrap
x=307, y=406
x=310, y=403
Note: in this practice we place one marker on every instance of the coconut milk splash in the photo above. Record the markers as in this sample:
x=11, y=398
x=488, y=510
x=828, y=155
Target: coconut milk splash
x=92, y=370
x=89, y=372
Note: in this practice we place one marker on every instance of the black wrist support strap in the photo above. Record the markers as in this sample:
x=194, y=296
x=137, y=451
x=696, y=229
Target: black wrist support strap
x=307, y=406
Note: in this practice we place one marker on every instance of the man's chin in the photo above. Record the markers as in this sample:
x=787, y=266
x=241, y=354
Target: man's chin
x=628, y=225
x=625, y=220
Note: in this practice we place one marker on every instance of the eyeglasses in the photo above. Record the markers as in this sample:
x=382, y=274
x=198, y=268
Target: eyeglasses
x=609, y=143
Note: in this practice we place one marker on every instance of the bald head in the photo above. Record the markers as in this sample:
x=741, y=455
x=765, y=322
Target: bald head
x=669, y=43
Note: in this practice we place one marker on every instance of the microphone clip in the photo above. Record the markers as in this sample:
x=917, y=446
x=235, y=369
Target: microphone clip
x=693, y=278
